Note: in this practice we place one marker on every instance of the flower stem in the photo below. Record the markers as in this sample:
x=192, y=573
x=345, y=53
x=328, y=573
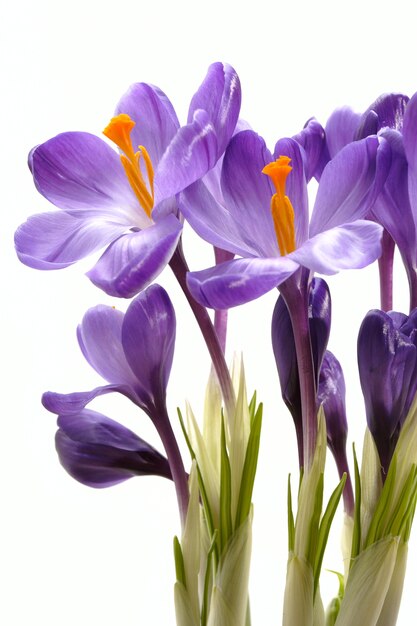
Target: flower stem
x=295, y=293
x=163, y=425
x=342, y=468
x=385, y=264
x=179, y=266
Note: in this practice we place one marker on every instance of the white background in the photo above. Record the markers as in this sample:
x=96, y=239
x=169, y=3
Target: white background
x=75, y=556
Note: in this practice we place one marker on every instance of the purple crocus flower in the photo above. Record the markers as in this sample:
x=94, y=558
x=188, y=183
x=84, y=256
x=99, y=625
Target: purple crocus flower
x=99, y=452
x=265, y=219
x=133, y=352
x=126, y=201
x=387, y=359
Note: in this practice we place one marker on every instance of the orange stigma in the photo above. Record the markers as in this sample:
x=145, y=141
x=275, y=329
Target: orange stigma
x=281, y=207
x=118, y=131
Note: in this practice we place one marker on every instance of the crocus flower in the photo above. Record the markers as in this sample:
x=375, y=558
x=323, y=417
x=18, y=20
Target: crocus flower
x=99, y=452
x=387, y=359
x=265, y=220
x=126, y=201
x=133, y=352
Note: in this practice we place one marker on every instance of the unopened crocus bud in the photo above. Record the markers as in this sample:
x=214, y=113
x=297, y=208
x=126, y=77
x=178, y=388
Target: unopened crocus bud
x=387, y=359
x=99, y=452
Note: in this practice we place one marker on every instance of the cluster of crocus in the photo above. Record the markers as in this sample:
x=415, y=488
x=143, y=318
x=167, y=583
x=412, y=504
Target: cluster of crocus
x=251, y=205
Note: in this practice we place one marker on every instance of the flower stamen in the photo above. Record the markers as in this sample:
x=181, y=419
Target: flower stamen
x=281, y=208
x=118, y=131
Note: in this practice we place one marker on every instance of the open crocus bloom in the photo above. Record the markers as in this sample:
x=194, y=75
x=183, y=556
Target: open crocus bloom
x=127, y=201
x=265, y=218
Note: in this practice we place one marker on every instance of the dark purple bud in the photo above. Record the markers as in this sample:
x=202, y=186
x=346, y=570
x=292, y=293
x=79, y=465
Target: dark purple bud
x=386, y=112
x=319, y=313
x=331, y=394
x=387, y=359
x=99, y=452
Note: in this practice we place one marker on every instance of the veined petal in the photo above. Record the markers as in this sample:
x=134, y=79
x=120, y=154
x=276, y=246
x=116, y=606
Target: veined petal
x=296, y=184
x=409, y=134
x=100, y=339
x=134, y=260
x=69, y=403
x=248, y=192
x=341, y=129
x=55, y=240
x=77, y=171
x=220, y=96
x=191, y=154
x=238, y=281
x=156, y=120
x=386, y=112
x=213, y=222
x=350, y=246
x=350, y=183
x=148, y=338
x=312, y=139
x=99, y=452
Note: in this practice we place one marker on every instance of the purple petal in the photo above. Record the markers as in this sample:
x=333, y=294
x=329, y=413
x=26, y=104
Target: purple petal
x=191, y=154
x=220, y=96
x=78, y=171
x=148, y=338
x=386, y=112
x=213, y=222
x=350, y=246
x=410, y=133
x=312, y=139
x=331, y=394
x=134, y=260
x=99, y=452
x=68, y=403
x=248, y=192
x=296, y=185
x=55, y=240
x=238, y=281
x=350, y=183
x=341, y=129
x=100, y=339
x=156, y=120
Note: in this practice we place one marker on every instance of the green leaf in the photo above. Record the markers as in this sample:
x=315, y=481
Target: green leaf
x=324, y=529
x=226, y=527
x=249, y=469
x=208, y=578
x=379, y=520
x=291, y=526
x=356, y=538
x=179, y=562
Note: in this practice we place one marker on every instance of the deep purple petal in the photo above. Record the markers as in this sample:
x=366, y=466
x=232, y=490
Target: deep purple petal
x=156, y=120
x=134, y=260
x=238, y=281
x=341, y=129
x=148, y=338
x=191, y=154
x=220, y=96
x=55, y=240
x=99, y=452
x=387, y=367
x=248, y=192
x=296, y=185
x=410, y=133
x=386, y=112
x=78, y=171
x=350, y=183
x=331, y=394
x=312, y=139
x=350, y=246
